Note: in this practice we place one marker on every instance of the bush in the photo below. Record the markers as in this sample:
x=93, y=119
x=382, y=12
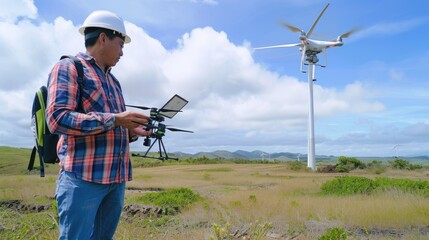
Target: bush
x=296, y=165
x=399, y=163
x=346, y=164
x=420, y=187
x=376, y=166
x=346, y=185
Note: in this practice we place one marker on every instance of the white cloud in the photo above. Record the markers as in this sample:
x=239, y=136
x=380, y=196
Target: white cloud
x=209, y=2
x=12, y=10
x=390, y=28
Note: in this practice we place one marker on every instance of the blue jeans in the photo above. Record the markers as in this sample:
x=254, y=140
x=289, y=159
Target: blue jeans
x=88, y=210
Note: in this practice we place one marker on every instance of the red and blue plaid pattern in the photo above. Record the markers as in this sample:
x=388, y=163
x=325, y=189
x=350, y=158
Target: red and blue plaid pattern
x=90, y=145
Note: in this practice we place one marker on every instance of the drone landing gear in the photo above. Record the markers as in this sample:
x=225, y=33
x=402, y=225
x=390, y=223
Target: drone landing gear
x=162, y=152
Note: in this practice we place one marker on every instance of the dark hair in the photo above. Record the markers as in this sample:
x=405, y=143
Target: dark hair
x=92, y=33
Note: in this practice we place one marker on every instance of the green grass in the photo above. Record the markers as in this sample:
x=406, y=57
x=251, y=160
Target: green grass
x=346, y=185
x=203, y=192
x=16, y=225
x=220, y=169
x=171, y=200
x=15, y=161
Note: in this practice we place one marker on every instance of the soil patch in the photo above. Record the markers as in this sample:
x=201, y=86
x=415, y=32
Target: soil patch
x=20, y=206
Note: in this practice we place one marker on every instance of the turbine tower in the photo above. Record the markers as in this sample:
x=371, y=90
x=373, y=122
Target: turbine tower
x=311, y=161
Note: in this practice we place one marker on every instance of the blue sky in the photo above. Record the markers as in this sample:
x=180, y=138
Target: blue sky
x=371, y=96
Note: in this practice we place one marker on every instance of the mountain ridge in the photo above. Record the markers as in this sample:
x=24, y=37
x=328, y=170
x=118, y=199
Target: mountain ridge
x=261, y=155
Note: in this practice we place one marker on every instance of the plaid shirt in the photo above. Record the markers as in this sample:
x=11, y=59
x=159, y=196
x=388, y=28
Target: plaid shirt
x=90, y=145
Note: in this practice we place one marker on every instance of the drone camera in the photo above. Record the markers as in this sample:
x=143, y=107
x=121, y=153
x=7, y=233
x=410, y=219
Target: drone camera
x=146, y=142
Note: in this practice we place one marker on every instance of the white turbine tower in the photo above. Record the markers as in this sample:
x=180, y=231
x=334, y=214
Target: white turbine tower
x=309, y=49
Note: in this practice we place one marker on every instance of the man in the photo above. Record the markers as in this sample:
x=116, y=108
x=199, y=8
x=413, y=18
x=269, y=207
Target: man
x=95, y=130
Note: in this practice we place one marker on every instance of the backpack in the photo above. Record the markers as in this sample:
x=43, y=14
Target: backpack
x=46, y=142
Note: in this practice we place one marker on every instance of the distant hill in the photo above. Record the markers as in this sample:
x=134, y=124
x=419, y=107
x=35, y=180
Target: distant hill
x=15, y=160
x=287, y=156
x=257, y=155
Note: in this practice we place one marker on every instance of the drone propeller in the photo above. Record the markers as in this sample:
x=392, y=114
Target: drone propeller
x=149, y=108
x=141, y=107
x=162, y=126
x=178, y=130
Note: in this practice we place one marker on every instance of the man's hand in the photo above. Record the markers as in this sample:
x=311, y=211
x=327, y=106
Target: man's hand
x=130, y=120
x=140, y=131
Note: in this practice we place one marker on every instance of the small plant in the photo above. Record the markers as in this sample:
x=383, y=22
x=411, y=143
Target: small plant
x=221, y=233
x=334, y=234
x=207, y=176
x=172, y=200
x=259, y=230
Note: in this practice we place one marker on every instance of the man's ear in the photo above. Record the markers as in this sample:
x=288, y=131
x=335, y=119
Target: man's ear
x=102, y=38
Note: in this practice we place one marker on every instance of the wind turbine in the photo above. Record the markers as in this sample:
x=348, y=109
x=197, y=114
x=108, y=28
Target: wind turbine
x=395, y=148
x=309, y=49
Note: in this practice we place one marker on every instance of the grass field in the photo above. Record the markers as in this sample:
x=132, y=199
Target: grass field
x=265, y=201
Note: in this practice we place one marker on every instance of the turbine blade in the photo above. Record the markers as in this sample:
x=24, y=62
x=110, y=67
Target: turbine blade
x=303, y=58
x=317, y=20
x=280, y=46
x=347, y=34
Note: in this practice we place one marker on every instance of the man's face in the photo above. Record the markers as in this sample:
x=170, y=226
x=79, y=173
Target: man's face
x=113, y=50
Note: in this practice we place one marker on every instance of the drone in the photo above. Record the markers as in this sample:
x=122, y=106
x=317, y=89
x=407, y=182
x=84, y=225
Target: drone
x=311, y=47
x=155, y=123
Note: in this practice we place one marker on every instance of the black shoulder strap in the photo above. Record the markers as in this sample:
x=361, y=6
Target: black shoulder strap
x=80, y=77
x=32, y=157
x=78, y=65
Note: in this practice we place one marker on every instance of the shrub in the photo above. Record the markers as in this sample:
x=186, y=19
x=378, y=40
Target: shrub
x=346, y=185
x=399, y=163
x=420, y=187
x=376, y=166
x=346, y=164
x=296, y=165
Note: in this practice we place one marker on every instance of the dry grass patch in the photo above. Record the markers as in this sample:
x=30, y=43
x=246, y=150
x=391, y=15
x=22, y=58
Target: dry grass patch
x=244, y=194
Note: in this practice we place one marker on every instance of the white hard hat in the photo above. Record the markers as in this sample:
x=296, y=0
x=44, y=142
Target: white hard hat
x=105, y=19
